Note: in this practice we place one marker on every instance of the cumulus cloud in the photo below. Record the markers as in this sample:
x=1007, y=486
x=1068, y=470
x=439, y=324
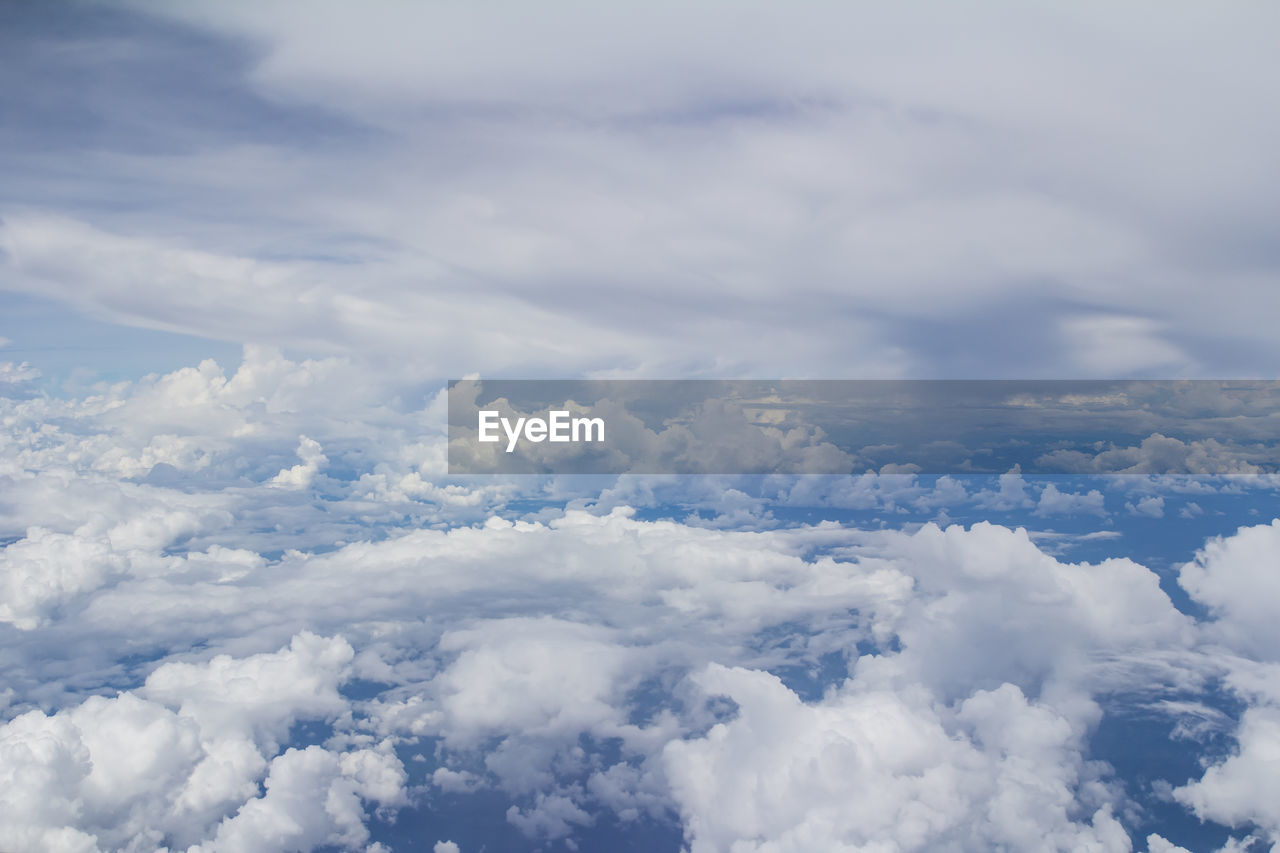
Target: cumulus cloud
x=45, y=569
x=312, y=798
x=1055, y=502
x=559, y=647
x=300, y=476
x=1232, y=792
x=1160, y=454
x=867, y=768
x=182, y=759
x=1233, y=576
x=510, y=641
x=1151, y=506
x=510, y=691
x=1012, y=493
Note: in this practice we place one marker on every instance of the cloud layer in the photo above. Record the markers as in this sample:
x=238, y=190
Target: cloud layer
x=729, y=190
x=243, y=607
x=242, y=611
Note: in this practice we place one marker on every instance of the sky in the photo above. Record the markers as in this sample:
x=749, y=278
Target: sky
x=244, y=606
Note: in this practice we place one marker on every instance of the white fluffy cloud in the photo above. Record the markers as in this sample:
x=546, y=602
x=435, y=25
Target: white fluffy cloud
x=300, y=476
x=180, y=761
x=45, y=569
x=571, y=655
x=1055, y=502
x=875, y=769
x=313, y=798
x=1152, y=506
x=1234, y=577
x=1235, y=792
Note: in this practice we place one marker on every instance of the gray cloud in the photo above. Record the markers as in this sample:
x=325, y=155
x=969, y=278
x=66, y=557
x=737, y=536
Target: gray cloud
x=655, y=191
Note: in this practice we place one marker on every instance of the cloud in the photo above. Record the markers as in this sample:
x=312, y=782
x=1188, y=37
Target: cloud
x=592, y=191
x=1012, y=494
x=563, y=648
x=15, y=374
x=182, y=759
x=550, y=817
x=1112, y=345
x=1231, y=792
x=45, y=570
x=511, y=691
x=1054, y=502
x=1152, y=506
x=1231, y=576
x=1159, y=454
x=300, y=476
x=867, y=767
x=397, y=194
x=454, y=781
x=313, y=798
